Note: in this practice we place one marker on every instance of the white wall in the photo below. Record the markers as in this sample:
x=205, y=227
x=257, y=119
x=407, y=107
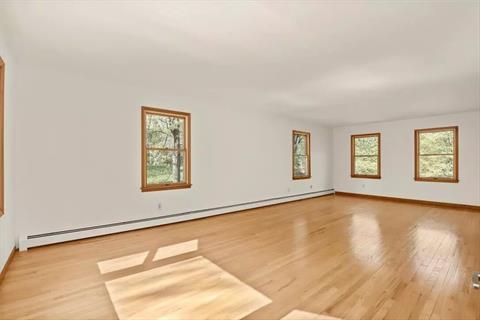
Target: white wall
x=7, y=232
x=77, y=153
x=398, y=160
x=75, y=143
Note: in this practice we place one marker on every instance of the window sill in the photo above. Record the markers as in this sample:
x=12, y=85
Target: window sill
x=301, y=178
x=365, y=176
x=166, y=187
x=436, y=180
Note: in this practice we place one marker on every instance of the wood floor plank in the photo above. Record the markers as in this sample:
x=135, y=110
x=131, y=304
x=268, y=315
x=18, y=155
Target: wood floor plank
x=341, y=256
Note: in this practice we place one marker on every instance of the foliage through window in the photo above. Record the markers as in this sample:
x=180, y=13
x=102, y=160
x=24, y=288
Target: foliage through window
x=165, y=149
x=365, y=161
x=436, y=154
x=301, y=155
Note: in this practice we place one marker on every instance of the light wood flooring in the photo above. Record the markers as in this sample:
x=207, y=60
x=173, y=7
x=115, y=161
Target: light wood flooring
x=334, y=256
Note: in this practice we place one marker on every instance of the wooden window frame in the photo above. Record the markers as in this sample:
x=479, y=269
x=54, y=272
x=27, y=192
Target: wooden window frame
x=417, y=177
x=2, y=137
x=187, y=149
x=353, y=156
x=309, y=157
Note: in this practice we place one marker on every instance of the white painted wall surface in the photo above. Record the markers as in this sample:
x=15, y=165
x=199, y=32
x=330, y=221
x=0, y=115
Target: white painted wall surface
x=77, y=153
x=398, y=160
x=7, y=232
x=7, y=238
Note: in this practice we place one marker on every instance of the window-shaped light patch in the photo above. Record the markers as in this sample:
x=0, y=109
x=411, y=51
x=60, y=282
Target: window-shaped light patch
x=122, y=263
x=182, y=290
x=176, y=249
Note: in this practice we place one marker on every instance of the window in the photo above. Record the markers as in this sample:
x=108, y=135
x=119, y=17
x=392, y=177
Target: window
x=436, y=154
x=365, y=161
x=165, y=149
x=301, y=155
x=2, y=172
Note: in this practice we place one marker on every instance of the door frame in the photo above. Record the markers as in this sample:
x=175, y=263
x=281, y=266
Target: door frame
x=2, y=137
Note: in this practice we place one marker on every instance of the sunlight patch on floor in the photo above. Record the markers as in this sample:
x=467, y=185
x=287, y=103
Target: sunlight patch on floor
x=138, y=259
x=121, y=263
x=176, y=249
x=303, y=315
x=191, y=289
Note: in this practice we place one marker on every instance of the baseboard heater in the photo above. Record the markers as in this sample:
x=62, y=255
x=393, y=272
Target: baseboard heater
x=93, y=231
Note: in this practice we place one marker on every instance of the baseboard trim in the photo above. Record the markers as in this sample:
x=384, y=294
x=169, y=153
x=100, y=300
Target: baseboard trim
x=424, y=202
x=36, y=240
x=7, y=264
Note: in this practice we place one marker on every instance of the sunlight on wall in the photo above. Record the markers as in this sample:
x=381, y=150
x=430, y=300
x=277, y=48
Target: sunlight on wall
x=192, y=288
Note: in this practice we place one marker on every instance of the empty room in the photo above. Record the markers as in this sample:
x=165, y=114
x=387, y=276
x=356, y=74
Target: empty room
x=236, y=159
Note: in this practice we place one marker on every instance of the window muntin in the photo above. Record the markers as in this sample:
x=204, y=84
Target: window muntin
x=365, y=159
x=301, y=166
x=436, y=154
x=165, y=149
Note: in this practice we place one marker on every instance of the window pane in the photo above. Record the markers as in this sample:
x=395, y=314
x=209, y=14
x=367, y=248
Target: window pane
x=165, y=167
x=300, y=144
x=366, y=146
x=164, y=131
x=366, y=165
x=300, y=168
x=439, y=142
x=436, y=167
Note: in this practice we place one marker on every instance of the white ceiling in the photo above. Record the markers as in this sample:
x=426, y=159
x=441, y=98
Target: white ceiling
x=334, y=62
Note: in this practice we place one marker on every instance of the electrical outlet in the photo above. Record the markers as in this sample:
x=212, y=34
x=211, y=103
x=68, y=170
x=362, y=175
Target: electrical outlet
x=311, y=186
x=159, y=206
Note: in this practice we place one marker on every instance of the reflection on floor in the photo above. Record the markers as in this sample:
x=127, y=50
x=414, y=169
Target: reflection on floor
x=303, y=315
x=193, y=288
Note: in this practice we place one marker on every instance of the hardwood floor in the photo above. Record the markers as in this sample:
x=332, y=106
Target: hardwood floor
x=335, y=256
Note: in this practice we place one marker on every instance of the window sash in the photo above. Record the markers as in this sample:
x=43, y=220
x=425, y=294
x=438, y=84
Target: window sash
x=164, y=114
x=447, y=166
x=358, y=160
x=167, y=169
